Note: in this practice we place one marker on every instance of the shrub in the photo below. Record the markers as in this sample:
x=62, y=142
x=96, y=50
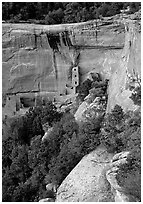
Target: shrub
x=136, y=96
x=84, y=89
x=97, y=87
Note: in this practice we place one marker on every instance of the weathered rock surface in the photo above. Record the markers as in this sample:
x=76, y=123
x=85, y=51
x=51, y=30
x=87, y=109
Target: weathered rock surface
x=39, y=58
x=81, y=109
x=90, y=108
x=127, y=72
x=94, y=180
x=87, y=181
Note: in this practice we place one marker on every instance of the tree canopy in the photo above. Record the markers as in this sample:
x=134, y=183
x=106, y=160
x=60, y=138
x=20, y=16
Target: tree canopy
x=29, y=164
x=62, y=12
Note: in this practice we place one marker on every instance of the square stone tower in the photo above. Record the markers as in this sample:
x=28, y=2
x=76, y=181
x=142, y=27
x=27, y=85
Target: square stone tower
x=75, y=78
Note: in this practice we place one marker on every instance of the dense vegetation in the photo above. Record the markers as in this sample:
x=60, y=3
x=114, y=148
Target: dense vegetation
x=62, y=12
x=30, y=163
x=122, y=132
x=97, y=87
x=23, y=154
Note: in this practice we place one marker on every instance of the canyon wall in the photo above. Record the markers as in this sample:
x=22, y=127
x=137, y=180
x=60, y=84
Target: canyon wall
x=40, y=58
x=127, y=75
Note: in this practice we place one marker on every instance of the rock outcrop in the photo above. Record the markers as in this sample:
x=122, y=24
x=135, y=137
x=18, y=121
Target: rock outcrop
x=121, y=194
x=90, y=109
x=87, y=181
x=94, y=180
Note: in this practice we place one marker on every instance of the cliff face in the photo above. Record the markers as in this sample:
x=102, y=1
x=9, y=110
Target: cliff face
x=127, y=74
x=39, y=58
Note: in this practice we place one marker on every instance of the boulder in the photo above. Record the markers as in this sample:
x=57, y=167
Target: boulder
x=47, y=133
x=91, y=107
x=120, y=192
x=51, y=187
x=80, y=111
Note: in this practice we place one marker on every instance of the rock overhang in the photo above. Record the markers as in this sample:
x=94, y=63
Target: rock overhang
x=97, y=46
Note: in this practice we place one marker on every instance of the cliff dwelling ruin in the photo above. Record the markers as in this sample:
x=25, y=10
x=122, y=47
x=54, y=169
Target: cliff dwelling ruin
x=50, y=69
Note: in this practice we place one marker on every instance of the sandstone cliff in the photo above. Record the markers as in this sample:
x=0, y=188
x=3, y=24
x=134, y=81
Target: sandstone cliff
x=39, y=58
x=125, y=76
x=127, y=73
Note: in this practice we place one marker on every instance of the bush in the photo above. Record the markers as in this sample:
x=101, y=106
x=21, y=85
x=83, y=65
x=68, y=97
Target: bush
x=97, y=87
x=84, y=89
x=136, y=96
